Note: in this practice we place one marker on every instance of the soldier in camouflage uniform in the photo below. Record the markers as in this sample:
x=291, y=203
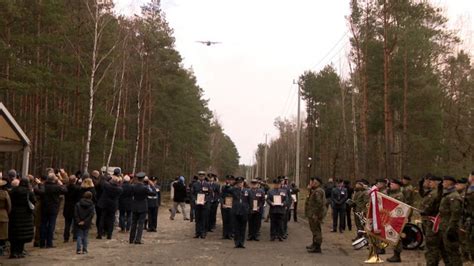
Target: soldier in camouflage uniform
x=431, y=193
x=408, y=191
x=315, y=211
x=360, y=199
x=396, y=193
x=450, y=214
x=461, y=186
x=468, y=218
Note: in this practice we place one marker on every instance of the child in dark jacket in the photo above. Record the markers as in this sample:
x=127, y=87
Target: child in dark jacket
x=83, y=214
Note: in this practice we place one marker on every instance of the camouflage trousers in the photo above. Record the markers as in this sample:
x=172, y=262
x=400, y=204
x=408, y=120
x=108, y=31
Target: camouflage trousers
x=434, y=246
x=467, y=245
x=451, y=248
x=315, y=226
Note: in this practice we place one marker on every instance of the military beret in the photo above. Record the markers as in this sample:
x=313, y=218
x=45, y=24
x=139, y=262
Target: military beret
x=434, y=178
x=317, y=178
x=397, y=181
x=462, y=180
x=365, y=181
x=117, y=171
x=140, y=175
x=450, y=178
x=406, y=177
x=276, y=181
x=381, y=180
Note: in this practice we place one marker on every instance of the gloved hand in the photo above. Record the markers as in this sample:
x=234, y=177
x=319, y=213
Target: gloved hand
x=452, y=234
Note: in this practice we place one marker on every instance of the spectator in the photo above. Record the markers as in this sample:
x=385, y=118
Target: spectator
x=154, y=202
x=328, y=191
x=338, y=204
x=83, y=214
x=125, y=205
x=108, y=203
x=50, y=194
x=88, y=185
x=5, y=207
x=20, y=226
x=179, y=198
x=70, y=199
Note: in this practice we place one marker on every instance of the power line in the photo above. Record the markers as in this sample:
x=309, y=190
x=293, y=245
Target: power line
x=331, y=50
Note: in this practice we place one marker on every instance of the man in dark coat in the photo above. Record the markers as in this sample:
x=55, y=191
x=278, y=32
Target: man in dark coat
x=139, y=208
x=179, y=198
x=201, y=191
x=108, y=202
x=125, y=205
x=21, y=228
x=50, y=193
x=257, y=200
x=70, y=199
x=338, y=203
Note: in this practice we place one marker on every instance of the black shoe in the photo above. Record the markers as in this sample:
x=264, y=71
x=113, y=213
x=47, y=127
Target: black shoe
x=139, y=243
x=256, y=239
x=250, y=239
x=280, y=239
x=203, y=237
x=395, y=258
x=272, y=238
x=109, y=237
x=78, y=252
x=66, y=240
x=98, y=237
x=197, y=236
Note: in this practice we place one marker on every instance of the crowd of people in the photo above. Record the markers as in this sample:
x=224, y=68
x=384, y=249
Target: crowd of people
x=243, y=205
x=445, y=205
x=29, y=207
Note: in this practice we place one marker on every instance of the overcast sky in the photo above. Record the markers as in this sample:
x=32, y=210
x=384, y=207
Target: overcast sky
x=266, y=44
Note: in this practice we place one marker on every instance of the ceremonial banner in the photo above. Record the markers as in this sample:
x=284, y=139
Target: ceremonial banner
x=386, y=217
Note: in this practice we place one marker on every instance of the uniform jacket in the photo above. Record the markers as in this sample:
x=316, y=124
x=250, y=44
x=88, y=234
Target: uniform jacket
x=216, y=191
x=397, y=194
x=361, y=198
x=408, y=194
x=240, y=201
x=276, y=208
x=258, y=195
x=201, y=187
x=450, y=210
x=154, y=200
x=315, y=205
x=140, y=197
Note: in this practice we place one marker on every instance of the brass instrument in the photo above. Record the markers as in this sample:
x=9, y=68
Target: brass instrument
x=374, y=245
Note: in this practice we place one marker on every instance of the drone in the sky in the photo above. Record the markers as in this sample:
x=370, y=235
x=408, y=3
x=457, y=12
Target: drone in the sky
x=208, y=43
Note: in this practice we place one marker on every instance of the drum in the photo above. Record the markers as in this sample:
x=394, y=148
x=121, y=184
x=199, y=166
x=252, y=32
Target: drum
x=412, y=237
x=360, y=243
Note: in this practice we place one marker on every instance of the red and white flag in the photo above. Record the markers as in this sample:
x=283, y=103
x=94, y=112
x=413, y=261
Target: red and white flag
x=386, y=216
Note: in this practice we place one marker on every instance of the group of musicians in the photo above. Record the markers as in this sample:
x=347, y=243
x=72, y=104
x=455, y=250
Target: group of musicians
x=446, y=207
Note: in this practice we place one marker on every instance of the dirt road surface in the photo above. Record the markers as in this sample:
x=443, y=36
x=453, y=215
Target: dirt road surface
x=174, y=244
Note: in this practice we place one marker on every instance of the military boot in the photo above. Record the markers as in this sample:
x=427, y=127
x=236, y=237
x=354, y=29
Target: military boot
x=316, y=249
x=395, y=257
x=310, y=246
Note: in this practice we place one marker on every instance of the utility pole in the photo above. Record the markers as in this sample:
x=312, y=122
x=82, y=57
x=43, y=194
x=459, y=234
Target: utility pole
x=265, y=158
x=298, y=128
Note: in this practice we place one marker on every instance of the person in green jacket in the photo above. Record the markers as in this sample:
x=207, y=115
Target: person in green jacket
x=315, y=211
